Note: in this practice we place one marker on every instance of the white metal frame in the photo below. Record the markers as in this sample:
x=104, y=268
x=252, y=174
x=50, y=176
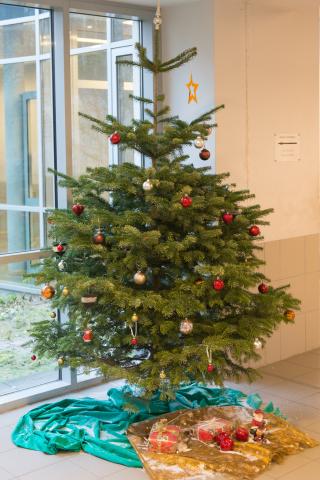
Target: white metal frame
x=63, y=131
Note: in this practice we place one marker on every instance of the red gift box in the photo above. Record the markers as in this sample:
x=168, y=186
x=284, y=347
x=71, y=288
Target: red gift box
x=208, y=430
x=164, y=438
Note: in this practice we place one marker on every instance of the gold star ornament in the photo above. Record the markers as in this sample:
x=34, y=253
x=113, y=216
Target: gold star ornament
x=192, y=87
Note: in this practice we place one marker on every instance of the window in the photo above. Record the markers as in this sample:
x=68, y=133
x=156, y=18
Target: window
x=35, y=94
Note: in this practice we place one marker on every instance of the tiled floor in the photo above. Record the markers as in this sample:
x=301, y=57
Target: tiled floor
x=293, y=385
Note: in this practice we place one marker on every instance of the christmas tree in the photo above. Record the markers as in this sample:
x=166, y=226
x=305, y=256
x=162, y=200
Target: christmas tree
x=157, y=268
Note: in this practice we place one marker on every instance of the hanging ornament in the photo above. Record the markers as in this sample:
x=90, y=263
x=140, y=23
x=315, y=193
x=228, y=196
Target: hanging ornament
x=227, y=218
x=218, y=284
x=59, y=248
x=199, y=142
x=65, y=291
x=60, y=361
x=147, y=185
x=78, y=209
x=33, y=357
x=62, y=265
x=204, y=154
x=87, y=335
x=115, y=138
x=162, y=375
x=257, y=344
x=134, y=317
x=139, y=278
x=290, y=315
x=134, y=334
x=186, y=326
x=186, y=201
x=210, y=367
x=263, y=288
x=99, y=237
x=47, y=292
x=192, y=87
x=88, y=300
x=254, y=231
x=53, y=314
x=157, y=20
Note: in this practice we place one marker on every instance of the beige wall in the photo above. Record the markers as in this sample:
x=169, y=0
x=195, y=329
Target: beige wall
x=266, y=71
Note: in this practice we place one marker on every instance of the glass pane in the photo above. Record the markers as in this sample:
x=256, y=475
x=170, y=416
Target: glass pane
x=89, y=94
x=32, y=148
x=87, y=30
x=47, y=131
x=19, y=231
x=8, y=12
x=45, y=35
x=17, y=147
x=17, y=313
x=125, y=103
x=17, y=40
x=121, y=29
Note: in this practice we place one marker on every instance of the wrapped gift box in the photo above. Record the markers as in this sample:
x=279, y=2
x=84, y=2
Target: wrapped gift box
x=207, y=431
x=164, y=438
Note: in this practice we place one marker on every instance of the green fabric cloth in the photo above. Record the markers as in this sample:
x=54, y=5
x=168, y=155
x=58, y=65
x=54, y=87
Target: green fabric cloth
x=99, y=426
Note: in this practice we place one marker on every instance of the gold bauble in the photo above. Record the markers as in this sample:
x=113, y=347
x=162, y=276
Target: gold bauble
x=47, y=292
x=134, y=317
x=53, y=314
x=139, y=278
x=186, y=326
x=290, y=315
x=65, y=292
x=163, y=375
x=199, y=142
x=60, y=361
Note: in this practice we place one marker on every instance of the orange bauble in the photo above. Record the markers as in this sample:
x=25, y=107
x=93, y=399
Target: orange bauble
x=47, y=292
x=290, y=315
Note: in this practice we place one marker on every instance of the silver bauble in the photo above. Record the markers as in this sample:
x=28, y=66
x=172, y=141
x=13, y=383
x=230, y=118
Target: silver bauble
x=257, y=344
x=147, y=185
x=199, y=142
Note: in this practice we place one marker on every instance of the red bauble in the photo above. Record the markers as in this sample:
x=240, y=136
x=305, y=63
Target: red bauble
x=87, y=335
x=33, y=357
x=210, y=368
x=226, y=444
x=263, y=288
x=254, y=231
x=221, y=435
x=242, y=434
x=60, y=248
x=204, y=154
x=134, y=341
x=218, y=284
x=77, y=209
x=205, y=435
x=186, y=201
x=228, y=218
x=115, y=138
x=99, y=238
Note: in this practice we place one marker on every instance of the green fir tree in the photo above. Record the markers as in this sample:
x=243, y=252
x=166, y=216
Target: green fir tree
x=186, y=232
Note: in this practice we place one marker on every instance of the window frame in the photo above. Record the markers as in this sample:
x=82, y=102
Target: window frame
x=62, y=134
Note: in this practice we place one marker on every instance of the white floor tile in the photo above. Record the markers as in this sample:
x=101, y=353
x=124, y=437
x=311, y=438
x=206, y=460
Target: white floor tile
x=128, y=474
x=4, y=475
x=20, y=461
x=61, y=471
x=95, y=465
x=285, y=369
x=5, y=439
x=311, y=471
